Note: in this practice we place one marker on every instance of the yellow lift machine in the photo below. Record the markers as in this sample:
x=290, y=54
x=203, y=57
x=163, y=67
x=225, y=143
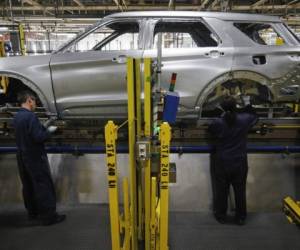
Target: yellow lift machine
x=144, y=221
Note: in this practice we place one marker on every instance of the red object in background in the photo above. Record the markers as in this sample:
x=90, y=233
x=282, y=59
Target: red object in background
x=172, y=83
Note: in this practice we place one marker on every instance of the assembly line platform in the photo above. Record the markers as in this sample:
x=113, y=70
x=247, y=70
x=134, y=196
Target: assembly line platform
x=87, y=228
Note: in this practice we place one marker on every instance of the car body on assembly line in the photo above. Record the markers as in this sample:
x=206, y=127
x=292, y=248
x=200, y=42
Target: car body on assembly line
x=213, y=54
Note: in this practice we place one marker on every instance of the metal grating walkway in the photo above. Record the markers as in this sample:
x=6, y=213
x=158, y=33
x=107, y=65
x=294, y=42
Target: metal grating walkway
x=87, y=228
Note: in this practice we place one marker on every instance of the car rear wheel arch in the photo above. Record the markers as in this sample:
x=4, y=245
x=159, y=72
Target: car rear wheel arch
x=258, y=87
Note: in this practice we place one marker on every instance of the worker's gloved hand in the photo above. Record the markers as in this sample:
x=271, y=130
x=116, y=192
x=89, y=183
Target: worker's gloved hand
x=246, y=100
x=52, y=129
x=49, y=122
x=249, y=109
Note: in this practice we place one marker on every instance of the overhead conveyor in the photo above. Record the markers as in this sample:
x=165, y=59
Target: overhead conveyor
x=187, y=149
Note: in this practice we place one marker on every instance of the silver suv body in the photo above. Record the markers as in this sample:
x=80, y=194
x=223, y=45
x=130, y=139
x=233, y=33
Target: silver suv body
x=213, y=54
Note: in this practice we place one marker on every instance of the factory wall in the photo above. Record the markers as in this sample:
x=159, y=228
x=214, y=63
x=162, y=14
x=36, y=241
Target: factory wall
x=82, y=179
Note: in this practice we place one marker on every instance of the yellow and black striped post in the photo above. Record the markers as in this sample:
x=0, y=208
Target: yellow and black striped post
x=165, y=138
x=131, y=146
x=22, y=39
x=291, y=208
x=147, y=132
x=112, y=176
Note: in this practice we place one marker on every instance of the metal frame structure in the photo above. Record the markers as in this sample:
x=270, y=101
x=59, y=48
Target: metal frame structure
x=86, y=7
x=65, y=15
x=146, y=215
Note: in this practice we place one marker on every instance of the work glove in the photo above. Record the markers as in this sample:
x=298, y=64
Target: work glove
x=246, y=100
x=52, y=129
x=49, y=122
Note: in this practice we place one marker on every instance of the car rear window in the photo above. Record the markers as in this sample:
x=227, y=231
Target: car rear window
x=261, y=33
x=184, y=35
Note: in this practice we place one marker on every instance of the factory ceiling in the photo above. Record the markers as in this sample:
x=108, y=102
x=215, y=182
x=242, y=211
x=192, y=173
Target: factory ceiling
x=81, y=12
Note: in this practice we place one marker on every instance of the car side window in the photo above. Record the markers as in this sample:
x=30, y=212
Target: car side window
x=261, y=33
x=191, y=34
x=126, y=41
x=111, y=37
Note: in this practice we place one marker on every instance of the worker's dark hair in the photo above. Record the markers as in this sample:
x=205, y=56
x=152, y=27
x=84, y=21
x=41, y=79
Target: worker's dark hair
x=229, y=106
x=24, y=95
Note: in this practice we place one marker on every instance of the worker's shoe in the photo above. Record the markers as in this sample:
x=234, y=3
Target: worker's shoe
x=32, y=216
x=221, y=219
x=240, y=222
x=54, y=219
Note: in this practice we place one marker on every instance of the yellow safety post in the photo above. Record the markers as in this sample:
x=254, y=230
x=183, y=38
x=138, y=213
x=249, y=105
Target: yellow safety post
x=292, y=210
x=279, y=41
x=165, y=138
x=157, y=243
x=22, y=40
x=147, y=132
x=296, y=108
x=110, y=143
x=3, y=79
x=153, y=221
x=131, y=146
x=2, y=49
x=287, y=126
x=137, y=77
x=140, y=208
x=127, y=226
x=4, y=84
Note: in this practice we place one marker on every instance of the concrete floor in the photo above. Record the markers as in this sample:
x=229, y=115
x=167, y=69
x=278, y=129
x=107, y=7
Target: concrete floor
x=81, y=184
x=87, y=228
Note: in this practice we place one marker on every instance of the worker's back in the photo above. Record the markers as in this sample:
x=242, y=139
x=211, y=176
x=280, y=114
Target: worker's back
x=232, y=138
x=30, y=134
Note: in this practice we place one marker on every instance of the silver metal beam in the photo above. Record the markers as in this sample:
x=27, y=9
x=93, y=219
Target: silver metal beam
x=153, y=7
x=79, y=3
x=36, y=4
x=203, y=4
x=258, y=3
x=118, y=5
x=33, y=3
x=292, y=2
x=224, y=5
x=214, y=3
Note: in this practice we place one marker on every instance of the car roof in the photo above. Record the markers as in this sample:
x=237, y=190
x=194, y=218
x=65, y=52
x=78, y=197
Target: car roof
x=220, y=15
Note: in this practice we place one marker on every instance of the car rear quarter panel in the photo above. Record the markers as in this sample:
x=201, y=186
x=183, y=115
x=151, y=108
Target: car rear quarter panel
x=280, y=69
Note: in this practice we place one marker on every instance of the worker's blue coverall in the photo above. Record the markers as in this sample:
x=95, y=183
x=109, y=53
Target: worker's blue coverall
x=38, y=189
x=230, y=163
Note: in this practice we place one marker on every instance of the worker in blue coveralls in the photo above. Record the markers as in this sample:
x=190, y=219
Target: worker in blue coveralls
x=38, y=188
x=231, y=165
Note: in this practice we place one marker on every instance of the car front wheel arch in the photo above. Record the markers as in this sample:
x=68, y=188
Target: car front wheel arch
x=15, y=85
